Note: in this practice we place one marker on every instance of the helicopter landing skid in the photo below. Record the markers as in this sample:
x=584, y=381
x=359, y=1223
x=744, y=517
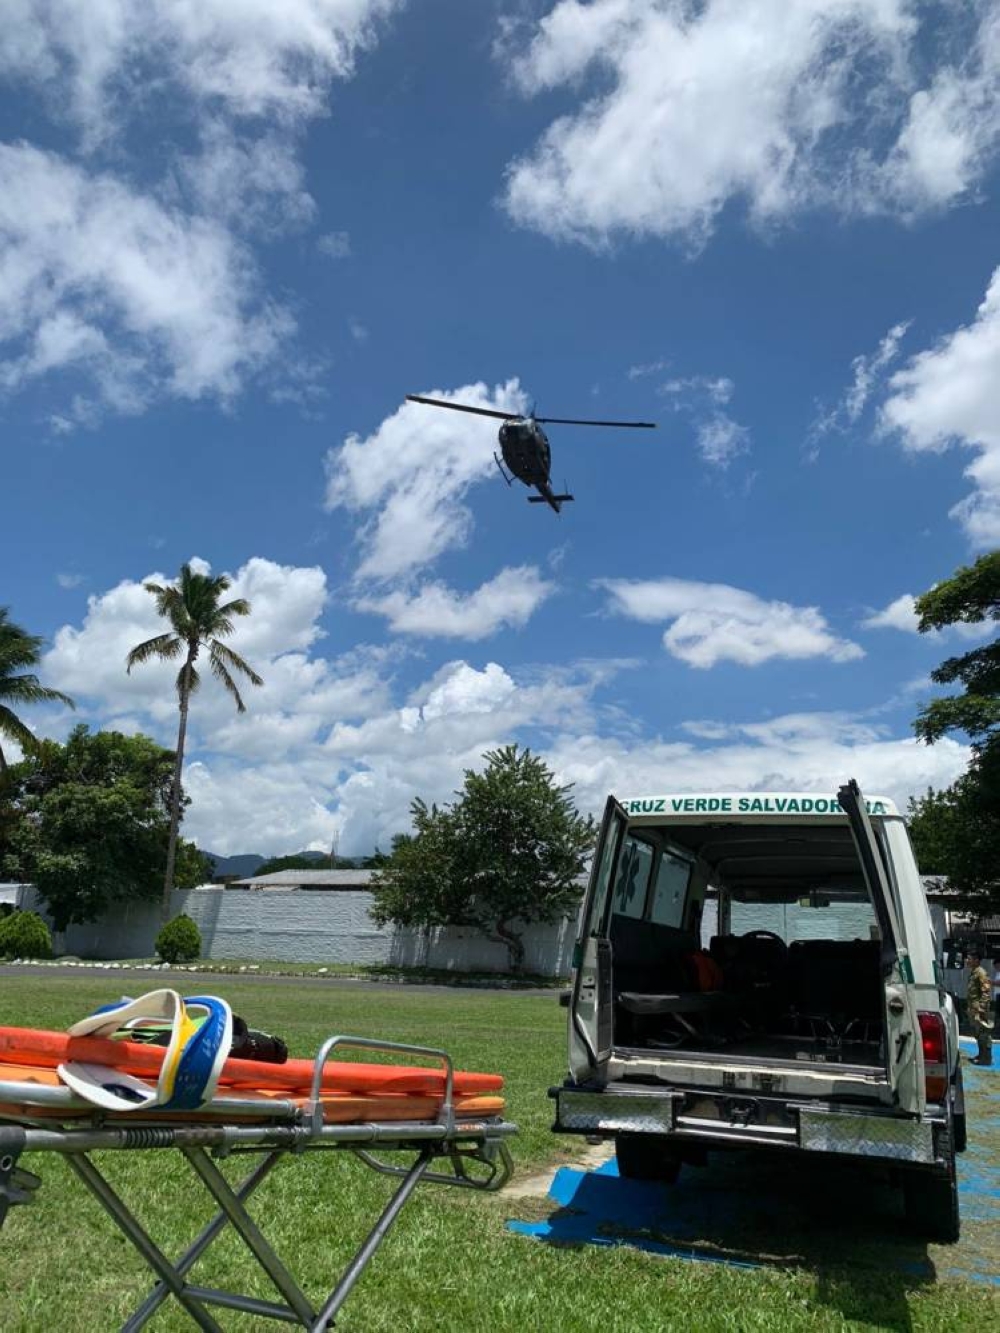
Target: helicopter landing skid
x=508, y=480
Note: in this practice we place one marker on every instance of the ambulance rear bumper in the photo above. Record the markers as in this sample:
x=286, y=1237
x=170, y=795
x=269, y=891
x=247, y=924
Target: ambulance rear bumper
x=723, y=1121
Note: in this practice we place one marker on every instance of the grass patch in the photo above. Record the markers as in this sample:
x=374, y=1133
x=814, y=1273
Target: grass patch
x=449, y=1264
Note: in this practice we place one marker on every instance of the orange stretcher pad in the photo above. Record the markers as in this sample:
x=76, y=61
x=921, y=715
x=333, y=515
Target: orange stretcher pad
x=47, y=1050
x=350, y=1092
x=339, y=1108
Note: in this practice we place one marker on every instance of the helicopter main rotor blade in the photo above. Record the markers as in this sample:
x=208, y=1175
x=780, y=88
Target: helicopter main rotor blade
x=461, y=407
x=575, y=421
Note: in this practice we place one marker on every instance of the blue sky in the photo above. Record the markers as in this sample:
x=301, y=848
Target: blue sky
x=234, y=235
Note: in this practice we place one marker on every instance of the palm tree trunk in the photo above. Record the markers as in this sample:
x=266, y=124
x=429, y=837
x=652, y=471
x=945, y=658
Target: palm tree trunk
x=175, y=798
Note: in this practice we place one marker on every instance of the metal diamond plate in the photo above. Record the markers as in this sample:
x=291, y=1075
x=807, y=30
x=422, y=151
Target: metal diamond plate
x=866, y=1136
x=599, y=1112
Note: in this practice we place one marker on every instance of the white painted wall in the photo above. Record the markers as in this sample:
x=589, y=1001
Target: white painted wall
x=309, y=926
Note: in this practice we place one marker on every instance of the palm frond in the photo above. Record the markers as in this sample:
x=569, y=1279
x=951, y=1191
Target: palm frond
x=232, y=659
x=27, y=689
x=220, y=673
x=14, y=729
x=18, y=648
x=164, y=646
x=239, y=606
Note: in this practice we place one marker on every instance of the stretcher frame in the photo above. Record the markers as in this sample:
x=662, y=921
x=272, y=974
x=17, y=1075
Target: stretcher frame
x=449, y=1144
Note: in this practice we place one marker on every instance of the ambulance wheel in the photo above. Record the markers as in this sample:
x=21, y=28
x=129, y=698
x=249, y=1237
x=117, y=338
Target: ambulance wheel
x=646, y=1157
x=959, y=1131
x=932, y=1205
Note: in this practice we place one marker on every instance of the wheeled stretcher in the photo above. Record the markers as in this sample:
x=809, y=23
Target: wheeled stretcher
x=457, y=1139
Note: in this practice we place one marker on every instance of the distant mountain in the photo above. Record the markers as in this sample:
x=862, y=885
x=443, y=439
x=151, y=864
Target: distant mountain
x=245, y=863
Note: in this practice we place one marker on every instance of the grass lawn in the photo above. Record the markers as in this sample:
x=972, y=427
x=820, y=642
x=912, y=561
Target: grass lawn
x=449, y=1263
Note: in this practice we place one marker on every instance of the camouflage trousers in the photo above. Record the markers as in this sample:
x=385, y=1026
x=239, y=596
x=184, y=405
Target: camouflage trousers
x=982, y=1030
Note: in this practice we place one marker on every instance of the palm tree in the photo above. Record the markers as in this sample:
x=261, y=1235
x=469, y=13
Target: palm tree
x=198, y=620
x=19, y=649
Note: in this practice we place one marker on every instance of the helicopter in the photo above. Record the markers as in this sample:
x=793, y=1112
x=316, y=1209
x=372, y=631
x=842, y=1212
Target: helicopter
x=525, y=446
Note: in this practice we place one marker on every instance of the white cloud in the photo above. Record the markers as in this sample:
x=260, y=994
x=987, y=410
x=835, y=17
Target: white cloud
x=947, y=394
x=868, y=370
x=717, y=389
x=89, y=663
x=70, y=580
x=251, y=58
x=713, y=622
x=250, y=183
x=868, y=373
x=900, y=614
x=721, y=439
x=335, y=244
x=411, y=476
x=953, y=126
x=812, y=752
x=683, y=109
x=333, y=746
x=508, y=599
x=144, y=290
x=97, y=278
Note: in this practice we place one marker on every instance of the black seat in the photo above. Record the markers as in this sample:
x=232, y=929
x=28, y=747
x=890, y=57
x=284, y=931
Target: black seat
x=837, y=979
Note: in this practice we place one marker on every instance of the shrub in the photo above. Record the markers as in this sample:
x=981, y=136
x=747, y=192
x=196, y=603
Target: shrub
x=24, y=935
x=179, y=941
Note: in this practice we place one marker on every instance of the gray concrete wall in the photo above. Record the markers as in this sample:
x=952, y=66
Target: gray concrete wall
x=548, y=949
x=308, y=926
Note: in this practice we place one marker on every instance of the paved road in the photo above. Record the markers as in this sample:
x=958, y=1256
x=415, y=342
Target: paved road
x=157, y=976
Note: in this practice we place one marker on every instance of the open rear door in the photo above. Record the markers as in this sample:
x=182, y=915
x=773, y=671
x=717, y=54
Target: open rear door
x=901, y=1023
x=592, y=998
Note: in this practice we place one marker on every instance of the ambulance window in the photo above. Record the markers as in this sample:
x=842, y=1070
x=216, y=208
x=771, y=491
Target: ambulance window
x=670, y=891
x=633, y=878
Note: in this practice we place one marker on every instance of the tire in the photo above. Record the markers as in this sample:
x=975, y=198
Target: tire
x=932, y=1205
x=646, y=1157
x=959, y=1131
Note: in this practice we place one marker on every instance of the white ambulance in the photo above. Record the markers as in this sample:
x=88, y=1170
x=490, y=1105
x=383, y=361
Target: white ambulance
x=811, y=1017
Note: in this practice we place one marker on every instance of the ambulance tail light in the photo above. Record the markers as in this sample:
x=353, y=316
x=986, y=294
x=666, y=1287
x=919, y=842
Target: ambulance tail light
x=932, y=1037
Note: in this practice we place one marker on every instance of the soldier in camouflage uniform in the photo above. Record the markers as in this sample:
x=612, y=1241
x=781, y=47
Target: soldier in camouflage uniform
x=978, y=1005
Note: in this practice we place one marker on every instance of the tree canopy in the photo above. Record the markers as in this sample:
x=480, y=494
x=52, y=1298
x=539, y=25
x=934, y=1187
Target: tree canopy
x=956, y=832
x=199, y=619
x=970, y=597
x=507, y=853
x=18, y=686
x=87, y=823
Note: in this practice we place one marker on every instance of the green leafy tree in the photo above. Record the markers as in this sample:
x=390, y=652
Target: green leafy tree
x=506, y=854
x=19, y=651
x=970, y=597
x=956, y=832
x=199, y=619
x=192, y=866
x=92, y=823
